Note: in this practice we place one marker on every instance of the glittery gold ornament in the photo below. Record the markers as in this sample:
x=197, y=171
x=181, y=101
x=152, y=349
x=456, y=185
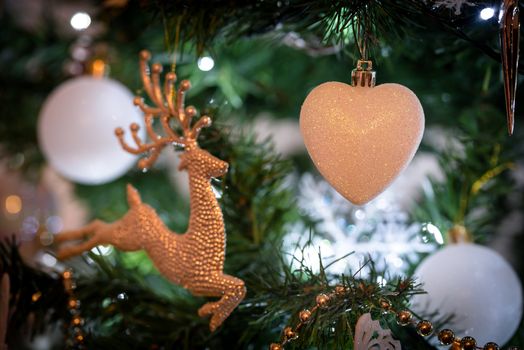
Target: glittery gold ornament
x=456, y=345
x=195, y=259
x=468, y=343
x=424, y=328
x=404, y=317
x=289, y=333
x=322, y=300
x=361, y=137
x=385, y=304
x=446, y=336
x=275, y=346
x=491, y=346
x=340, y=290
x=304, y=315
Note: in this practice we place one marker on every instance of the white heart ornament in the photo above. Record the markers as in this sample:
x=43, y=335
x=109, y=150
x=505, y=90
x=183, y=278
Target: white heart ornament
x=361, y=138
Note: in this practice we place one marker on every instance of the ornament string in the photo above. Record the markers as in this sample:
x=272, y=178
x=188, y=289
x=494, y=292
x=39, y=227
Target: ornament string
x=360, y=37
x=167, y=38
x=76, y=333
x=403, y=318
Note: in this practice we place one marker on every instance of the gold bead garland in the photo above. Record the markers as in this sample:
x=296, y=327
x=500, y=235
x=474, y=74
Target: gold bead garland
x=445, y=336
x=403, y=317
x=76, y=337
x=322, y=300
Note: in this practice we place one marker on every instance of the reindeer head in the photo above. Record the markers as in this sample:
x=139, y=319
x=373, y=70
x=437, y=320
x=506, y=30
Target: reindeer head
x=173, y=116
x=201, y=161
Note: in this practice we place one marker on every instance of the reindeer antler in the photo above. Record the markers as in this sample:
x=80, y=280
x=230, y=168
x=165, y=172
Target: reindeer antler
x=168, y=105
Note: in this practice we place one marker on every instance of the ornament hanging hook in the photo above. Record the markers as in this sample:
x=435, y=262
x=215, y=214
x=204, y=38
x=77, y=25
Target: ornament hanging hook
x=360, y=36
x=363, y=75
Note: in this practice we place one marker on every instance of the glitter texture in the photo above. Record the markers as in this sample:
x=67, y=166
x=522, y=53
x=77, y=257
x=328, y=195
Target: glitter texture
x=361, y=138
x=195, y=259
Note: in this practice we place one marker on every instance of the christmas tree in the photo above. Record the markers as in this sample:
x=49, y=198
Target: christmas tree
x=260, y=175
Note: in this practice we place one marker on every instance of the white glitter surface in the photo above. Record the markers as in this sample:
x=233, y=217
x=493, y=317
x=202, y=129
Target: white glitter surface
x=361, y=138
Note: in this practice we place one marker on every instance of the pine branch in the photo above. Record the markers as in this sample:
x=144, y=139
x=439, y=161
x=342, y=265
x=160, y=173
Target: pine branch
x=204, y=22
x=475, y=186
x=35, y=295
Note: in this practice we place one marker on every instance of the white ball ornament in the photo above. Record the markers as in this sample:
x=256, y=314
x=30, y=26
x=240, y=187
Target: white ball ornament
x=361, y=137
x=76, y=129
x=475, y=285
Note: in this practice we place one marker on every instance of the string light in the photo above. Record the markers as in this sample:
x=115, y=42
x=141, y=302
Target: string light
x=487, y=13
x=80, y=21
x=13, y=204
x=205, y=63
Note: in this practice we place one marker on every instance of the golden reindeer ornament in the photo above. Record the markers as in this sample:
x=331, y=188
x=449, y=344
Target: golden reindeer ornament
x=195, y=259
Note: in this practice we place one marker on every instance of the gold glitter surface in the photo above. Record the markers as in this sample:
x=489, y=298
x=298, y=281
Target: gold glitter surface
x=195, y=259
x=361, y=138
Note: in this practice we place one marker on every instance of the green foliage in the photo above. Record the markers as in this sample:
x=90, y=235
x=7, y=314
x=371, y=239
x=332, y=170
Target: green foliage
x=449, y=62
x=472, y=193
x=207, y=23
x=124, y=308
x=35, y=294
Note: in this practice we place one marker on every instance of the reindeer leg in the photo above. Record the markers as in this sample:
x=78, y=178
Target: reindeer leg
x=96, y=227
x=80, y=233
x=229, y=288
x=67, y=252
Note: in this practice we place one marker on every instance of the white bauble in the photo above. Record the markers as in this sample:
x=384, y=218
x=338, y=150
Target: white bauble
x=76, y=129
x=477, y=286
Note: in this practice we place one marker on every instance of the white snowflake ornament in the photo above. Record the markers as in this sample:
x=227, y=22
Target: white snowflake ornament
x=455, y=5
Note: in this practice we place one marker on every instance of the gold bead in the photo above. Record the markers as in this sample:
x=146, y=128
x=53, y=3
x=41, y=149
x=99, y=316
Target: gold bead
x=275, y=346
x=77, y=321
x=289, y=333
x=145, y=55
x=404, y=317
x=36, y=296
x=79, y=338
x=446, y=336
x=69, y=285
x=468, y=343
x=322, y=300
x=456, y=345
x=424, y=328
x=73, y=303
x=67, y=274
x=304, y=315
x=491, y=346
x=340, y=290
x=385, y=304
